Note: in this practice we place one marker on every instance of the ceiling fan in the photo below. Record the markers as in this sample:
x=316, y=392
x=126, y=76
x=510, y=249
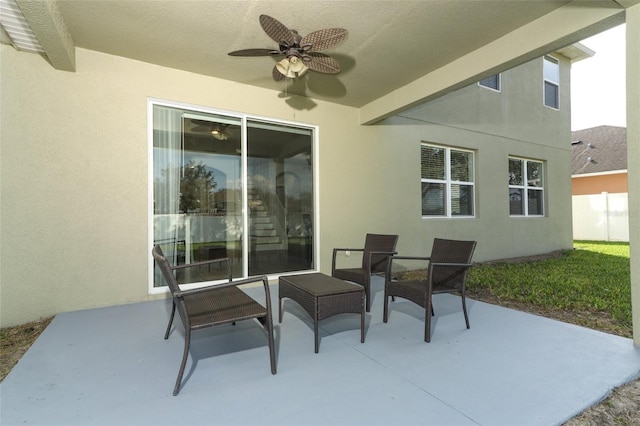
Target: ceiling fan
x=300, y=53
x=217, y=130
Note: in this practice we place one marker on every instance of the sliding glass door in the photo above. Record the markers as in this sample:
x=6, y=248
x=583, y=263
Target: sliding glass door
x=234, y=187
x=280, y=197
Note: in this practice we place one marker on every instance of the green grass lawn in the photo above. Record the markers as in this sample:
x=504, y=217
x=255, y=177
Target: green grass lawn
x=589, y=286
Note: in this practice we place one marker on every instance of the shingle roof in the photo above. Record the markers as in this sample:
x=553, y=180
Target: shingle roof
x=599, y=149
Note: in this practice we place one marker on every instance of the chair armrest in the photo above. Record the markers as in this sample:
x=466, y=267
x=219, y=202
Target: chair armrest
x=410, y=258
x=214, y=287
x=348, y=249
x=390, y=253
x=335, y=252
x=462, y=265
x=204, y=262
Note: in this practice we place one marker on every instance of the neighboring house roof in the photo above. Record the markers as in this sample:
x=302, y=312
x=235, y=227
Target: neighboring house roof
x=598, y=150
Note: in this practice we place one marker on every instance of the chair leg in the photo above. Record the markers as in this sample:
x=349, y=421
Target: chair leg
x=267, y=323
x=427, y=321
x=367, y=290
x=272, y=351
x=433, y=312
x=464, y=309
x=187, y=340
x=385, y=311
x=173, y=312
x=361, y=326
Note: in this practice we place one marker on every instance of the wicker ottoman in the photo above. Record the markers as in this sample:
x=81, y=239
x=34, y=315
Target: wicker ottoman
x=322, y=297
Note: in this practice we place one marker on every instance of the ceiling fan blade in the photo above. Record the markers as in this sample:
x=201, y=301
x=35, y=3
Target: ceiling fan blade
x=276, y=30
x=277, y=75
x=323, y=63
x=253, y=52
x=200, y=125
x=207, y=125
x=324, y=39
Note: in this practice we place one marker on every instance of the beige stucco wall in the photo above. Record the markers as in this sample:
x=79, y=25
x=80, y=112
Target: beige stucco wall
x=516, y=112
x=74, y=173
x=74, y=190
x=513, y=122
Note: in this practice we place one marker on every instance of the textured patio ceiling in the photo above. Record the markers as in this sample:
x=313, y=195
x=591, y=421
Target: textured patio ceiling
x=391, y=43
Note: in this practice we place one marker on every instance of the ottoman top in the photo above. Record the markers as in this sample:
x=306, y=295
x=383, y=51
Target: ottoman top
x=319, y=284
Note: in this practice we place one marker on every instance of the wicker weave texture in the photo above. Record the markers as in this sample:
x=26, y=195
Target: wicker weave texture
x=221, y=307
x=376, y=251
x=322, y=297
x=214, y=305
x=324, y=39
x=448, y=267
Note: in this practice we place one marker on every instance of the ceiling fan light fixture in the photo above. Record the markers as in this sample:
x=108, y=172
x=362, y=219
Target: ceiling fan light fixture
x=221, y=135
x=291, y=67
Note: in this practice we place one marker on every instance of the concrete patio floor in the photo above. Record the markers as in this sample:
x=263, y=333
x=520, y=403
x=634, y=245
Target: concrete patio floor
x=111, y=366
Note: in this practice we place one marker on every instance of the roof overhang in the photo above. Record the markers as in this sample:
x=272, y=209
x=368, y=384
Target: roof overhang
x=607, y=173
x=563, y=27
x=38, y=27
x=576, y=52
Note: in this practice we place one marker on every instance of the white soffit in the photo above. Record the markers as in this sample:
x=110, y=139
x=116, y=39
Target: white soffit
x=16, y=26
x=576, y=52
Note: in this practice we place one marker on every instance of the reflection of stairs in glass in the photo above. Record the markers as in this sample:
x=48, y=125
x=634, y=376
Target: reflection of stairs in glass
x=263, y=225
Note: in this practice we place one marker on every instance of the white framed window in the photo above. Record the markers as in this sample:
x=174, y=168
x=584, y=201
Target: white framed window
x=447, y=180
x=224, y=184
x=492, y=82
x=551, y=72
x=526, y=187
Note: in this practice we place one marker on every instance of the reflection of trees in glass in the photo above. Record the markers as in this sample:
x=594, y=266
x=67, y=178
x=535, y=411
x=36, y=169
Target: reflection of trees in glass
x=515, y=172
x=461, y=166
x=196, y=188
x=534, y=177
x=432, y=162
x=227, y=201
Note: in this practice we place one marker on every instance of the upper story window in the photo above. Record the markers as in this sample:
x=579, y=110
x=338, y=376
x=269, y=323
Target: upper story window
x=447, y=179
x=491, y=82
x=526, y=187
x=551, y=71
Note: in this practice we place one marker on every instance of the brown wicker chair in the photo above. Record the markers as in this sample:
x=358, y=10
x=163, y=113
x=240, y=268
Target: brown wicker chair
x=377, y=248
x=214, y=305
x=446, y=272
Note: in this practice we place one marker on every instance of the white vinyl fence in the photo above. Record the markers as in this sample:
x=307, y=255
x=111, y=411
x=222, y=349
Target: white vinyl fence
x=601, y=217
